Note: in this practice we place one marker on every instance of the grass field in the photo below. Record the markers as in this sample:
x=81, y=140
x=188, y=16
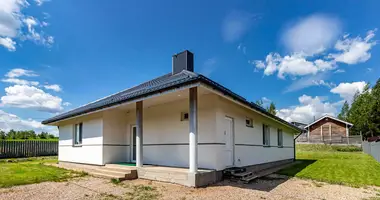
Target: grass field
x=27, y=171
x=323, y=163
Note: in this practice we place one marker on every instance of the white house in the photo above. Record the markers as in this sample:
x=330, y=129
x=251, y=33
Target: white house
x=181, y=119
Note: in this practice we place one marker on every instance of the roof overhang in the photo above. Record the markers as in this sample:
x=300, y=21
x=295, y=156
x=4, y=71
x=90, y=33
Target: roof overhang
x=134, y=100
x=193, y=82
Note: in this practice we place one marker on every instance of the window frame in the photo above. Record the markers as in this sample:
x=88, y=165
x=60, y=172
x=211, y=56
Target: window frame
x=280, y=135
x=78, y=129
x=266, y=135
x=250, y=125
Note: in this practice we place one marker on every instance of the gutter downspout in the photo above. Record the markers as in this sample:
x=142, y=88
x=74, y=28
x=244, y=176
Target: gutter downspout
x=294, y=149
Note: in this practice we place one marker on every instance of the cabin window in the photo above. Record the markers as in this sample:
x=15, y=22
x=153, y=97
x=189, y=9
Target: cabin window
x=248, y=122
x=266, y=135
x=184, y=116
x=78, y=130
x=279, y=138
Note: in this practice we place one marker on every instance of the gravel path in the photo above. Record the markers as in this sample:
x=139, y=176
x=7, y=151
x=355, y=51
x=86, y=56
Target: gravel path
x=271, y=187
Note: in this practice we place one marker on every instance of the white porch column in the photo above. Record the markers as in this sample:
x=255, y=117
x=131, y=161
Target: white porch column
x=193, y=129
x=139, y=134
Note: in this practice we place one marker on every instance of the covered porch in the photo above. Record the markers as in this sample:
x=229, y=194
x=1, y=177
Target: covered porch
x=159, y=135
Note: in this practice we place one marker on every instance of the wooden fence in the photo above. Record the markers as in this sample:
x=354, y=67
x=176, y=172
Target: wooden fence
x=27, y=148
x=351, y=140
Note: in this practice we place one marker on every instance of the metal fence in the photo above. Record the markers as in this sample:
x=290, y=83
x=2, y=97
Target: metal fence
x=351, y=140
x=372, y=148
x=27, y=148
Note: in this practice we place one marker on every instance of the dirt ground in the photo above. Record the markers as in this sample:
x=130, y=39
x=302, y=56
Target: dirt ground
x=271, y=187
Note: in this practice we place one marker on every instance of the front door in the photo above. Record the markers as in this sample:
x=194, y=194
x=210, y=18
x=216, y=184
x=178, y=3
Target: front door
x=133, y=143
x=229, y=141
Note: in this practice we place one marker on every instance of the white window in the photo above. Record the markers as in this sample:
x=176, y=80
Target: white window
x=78, y=134
x=248, y=122
x=279, y=138
x=266, y=135
x=184, y=116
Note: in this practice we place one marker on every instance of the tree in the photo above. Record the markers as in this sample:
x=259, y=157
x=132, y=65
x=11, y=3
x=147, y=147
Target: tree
x=272, y=108
x=344, y=112
x=43, y=135
x=2, y=135
x=12, y=134
x=260, y=102
x=374, y=113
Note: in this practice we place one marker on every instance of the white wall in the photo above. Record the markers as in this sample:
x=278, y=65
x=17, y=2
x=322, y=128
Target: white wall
x=115, y=138
x=91, y=151
x=249, y=148
x=166, y=137
x=107, y=135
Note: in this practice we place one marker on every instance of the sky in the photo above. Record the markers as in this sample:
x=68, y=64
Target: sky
x=307, y=57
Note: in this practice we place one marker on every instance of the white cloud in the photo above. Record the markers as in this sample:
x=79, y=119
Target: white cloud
x=348, y=90
x=293, y=65
x=24, y=96
x=354, y=50
x=13, y=23
x=20, y=81
x=339, y=71
x=10, y=121
x=53, y=87
x=312, y=34
x=236, y=24
x=40, y=2
x=209, y=66
x=308, y=109
x=18, y=72
x=66, y=104
x=242, y=48
x=8, y=43
x=37, y=37
x=311, y=80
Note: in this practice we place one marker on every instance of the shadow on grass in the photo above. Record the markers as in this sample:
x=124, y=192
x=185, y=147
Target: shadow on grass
x=269, y=182
x=298, y=166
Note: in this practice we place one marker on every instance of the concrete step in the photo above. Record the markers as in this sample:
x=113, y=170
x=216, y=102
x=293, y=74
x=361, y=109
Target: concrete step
x=108, y=176
x=242, y=174
x=112, y=172
x=120, y=168
x=250, y=178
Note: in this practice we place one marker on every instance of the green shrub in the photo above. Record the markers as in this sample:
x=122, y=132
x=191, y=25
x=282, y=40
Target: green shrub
x=325, y=147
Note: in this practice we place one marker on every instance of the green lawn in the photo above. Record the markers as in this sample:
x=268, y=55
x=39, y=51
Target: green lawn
x=324, y=164
x=27, y=171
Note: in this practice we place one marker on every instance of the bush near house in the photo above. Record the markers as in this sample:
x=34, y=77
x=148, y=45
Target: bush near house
x=340, y=165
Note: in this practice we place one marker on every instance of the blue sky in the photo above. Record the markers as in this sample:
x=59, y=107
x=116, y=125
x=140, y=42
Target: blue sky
x=307, y=57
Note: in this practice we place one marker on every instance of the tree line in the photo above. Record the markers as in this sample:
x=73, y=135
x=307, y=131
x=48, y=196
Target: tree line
x=25, y=135
x=364, y=112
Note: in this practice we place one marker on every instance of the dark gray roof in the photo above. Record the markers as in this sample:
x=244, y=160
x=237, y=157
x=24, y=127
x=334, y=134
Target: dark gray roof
x=160, y=84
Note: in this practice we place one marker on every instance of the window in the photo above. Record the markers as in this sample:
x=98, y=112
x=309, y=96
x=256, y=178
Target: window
x=266, y=135
x=78, y=134
x=279, y=138
x=184, y=116
x=248, y=122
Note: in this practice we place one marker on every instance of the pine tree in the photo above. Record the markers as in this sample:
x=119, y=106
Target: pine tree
x=272, y=108
x=260, y=102
x=344, y=112
x=374, y=114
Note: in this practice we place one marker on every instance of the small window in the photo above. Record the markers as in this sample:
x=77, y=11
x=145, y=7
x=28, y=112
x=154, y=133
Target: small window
x=248, y=122
x=266, y=135
x=184, y=116
x=279, y=138
x=78, y=129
